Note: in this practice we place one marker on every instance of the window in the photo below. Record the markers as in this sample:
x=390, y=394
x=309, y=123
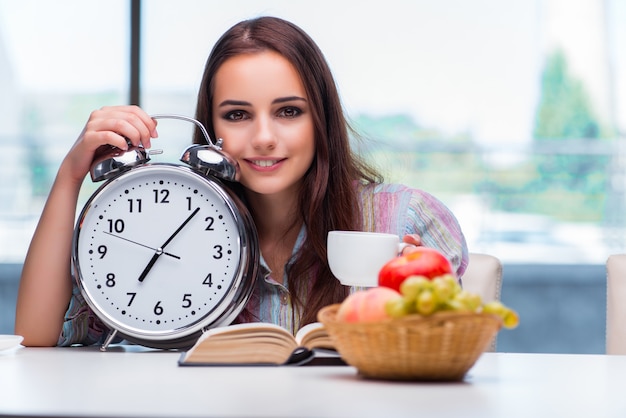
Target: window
x=58, y=61
x=513, y=113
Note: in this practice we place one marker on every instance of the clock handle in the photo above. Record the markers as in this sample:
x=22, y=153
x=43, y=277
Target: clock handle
x=208, y=159
x=218, y=143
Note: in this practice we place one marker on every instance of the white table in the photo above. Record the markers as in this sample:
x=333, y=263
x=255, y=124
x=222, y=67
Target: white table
x=135, y=382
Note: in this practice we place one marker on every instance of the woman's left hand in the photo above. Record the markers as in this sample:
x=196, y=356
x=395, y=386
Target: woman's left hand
x=413, y=239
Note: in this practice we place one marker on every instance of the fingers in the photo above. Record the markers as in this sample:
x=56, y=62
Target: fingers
x=413, y=239
x=108, y=126
x=117, y=124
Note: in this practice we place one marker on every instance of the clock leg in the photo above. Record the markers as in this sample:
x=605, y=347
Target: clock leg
x=108, y=340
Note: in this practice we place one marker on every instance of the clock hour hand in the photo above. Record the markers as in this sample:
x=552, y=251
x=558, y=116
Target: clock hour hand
x=153, y=260
x=141, y=245
x=159, y=251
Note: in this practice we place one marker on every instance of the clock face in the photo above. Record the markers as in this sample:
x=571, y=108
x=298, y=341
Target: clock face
x=158, y=250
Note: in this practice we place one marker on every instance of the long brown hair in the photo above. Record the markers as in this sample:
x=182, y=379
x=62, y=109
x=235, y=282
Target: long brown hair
x=328, y=197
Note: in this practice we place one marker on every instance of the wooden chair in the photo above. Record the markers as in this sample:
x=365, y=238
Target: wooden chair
x=484, y=277
x=616, y=304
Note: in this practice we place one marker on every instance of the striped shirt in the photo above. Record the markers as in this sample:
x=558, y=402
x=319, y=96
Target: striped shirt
x=389, y=208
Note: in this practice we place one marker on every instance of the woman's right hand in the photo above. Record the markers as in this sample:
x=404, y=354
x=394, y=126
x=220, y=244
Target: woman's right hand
x=46, y=286
x=110, y=125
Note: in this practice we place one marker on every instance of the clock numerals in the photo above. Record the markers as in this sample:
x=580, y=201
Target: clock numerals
x=218, y=252
x=208, y=280
x=110, y=281
x=132, y=297
x=134, y=205
x=116, y=226
x=186, y=300
x=146, y=243
x=161, y=195
x=158, y=308
x=209, y=220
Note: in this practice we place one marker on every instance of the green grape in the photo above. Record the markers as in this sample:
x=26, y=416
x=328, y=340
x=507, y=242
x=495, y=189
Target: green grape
x=410, y=305
x=442, y=289
x=425, y=303
x=474, y=301
x=494, y=307
x=454, y=305
x=469, y=301
x=396, y=308
x=452, y=282
x=511, y=318
x=413, y=285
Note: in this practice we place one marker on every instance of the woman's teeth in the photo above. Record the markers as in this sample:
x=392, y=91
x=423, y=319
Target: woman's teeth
x=264, y=163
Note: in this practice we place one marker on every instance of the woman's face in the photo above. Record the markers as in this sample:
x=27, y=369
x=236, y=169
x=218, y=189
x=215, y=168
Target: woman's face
x=262, y=112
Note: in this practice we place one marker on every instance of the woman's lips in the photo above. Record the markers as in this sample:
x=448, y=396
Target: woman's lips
x=264, y=164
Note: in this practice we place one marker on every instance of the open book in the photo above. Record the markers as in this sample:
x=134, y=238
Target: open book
x=260, y=343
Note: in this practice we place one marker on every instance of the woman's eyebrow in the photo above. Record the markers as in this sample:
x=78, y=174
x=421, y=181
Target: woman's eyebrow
x=234, y=103
x=288, y=99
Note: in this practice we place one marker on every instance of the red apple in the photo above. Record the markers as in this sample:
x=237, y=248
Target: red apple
x=423, y=261
x=366, y=305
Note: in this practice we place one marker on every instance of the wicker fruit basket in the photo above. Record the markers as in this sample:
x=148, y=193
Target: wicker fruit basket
x=439, y=347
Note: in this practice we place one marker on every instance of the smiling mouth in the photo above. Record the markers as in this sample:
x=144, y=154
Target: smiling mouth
x=264, y=163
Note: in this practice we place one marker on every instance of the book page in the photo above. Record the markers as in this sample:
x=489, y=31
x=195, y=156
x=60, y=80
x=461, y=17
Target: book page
x=250, y=343
x=257, y=344
x=247, y=329
x=314, y=335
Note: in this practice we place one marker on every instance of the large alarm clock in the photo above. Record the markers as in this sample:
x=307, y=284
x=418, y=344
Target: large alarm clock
x=162, y=252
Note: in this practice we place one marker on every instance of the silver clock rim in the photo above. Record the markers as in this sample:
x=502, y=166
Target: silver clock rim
x=233, y=301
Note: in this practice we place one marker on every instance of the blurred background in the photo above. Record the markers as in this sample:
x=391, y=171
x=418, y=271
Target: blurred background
x=511, y=112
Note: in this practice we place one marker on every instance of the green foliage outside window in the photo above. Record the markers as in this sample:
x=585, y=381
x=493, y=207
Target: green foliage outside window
x=564, y=174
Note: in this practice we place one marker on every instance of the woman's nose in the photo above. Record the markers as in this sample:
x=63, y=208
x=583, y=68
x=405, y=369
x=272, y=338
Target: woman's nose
x=264, y=135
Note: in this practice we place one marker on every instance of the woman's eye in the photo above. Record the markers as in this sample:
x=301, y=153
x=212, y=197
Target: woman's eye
x=289, y=112
x=235, y=115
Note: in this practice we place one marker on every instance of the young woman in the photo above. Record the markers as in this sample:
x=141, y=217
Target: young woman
x=269, y=93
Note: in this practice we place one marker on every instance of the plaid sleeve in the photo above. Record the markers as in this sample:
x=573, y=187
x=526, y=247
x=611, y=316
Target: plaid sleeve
x=438, y=228
x=401, y=210
x=81, y=325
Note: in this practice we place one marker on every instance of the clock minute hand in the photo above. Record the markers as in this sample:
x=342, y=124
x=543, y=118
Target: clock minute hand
x=159, y=251
x=141, y=245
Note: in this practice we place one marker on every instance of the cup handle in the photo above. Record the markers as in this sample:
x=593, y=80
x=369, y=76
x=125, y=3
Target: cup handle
x=402, y=246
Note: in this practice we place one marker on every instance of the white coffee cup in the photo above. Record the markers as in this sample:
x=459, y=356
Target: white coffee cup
x=356, y=257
